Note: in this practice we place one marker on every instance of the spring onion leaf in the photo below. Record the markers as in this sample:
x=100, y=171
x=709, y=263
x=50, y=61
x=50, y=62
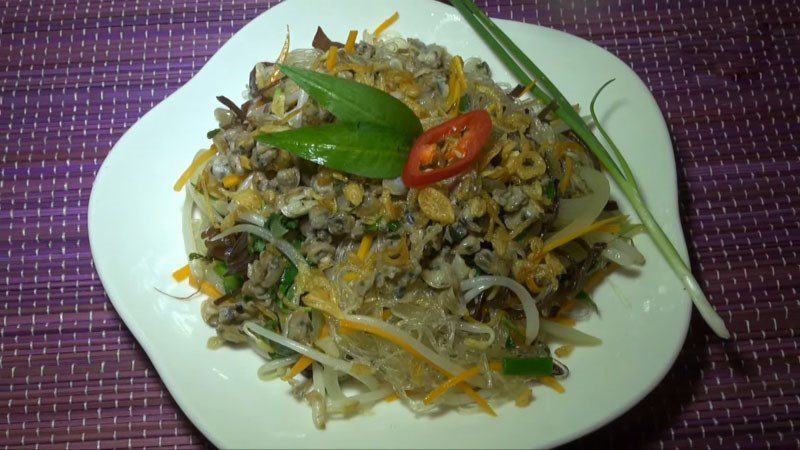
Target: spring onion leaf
x=355, y=102
x=542, y=366
x=509, y=53
x=220, y=268
x=213, y=133
x=359, y=149
x=231, y=283
x=193, y=256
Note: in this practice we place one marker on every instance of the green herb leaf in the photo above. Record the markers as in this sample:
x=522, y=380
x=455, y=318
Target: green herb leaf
x=510, y=343
x=509, y=53
x=279, y=225
x=286, y=285
x=359, y=149
x=257, y=245
x=355, y=102
x=464, y=104
x=392, y=226
x=542, y=366
x=213, y=133
x=193, y=256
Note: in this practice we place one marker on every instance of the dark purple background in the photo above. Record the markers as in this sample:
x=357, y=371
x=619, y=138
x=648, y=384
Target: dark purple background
x=74, y=77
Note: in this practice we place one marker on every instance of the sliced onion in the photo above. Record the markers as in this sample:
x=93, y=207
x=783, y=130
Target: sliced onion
x=569, y=334
x=284, y=246
x=577, y=213
x=528, y=304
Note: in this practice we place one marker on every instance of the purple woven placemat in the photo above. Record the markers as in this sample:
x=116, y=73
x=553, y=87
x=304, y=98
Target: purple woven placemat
x=74, y=77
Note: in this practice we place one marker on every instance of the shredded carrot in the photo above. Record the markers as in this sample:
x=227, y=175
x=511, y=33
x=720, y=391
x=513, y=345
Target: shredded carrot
x=563, y=240
x=385, y=24
x=201, y=159
x=566, y=321
x=563, y=184
x=391, y=397
x=552, y=383
x=452, y=381
x=333, y=57
x=298, y=367
x=205, y=288
x=350, y=45
x=231, y=180
x=366, y=243
x=598, y=276
x=402, y=344
x=182, y=273
x=568, y=306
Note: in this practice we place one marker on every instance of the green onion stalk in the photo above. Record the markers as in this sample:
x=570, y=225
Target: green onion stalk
x=544, y=89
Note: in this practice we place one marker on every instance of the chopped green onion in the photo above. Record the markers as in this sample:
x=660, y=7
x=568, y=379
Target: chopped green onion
x=213, y=133
x=583, y=296
x=464, y=104
x=231, y=283
x=279, y=225
x=542, y=366
x=220, y=268
x=392, y=226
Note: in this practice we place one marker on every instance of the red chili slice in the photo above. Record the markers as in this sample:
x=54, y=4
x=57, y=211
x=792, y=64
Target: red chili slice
x=474, y=128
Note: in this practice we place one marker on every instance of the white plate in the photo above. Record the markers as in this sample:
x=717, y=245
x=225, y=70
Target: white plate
x=135, y=235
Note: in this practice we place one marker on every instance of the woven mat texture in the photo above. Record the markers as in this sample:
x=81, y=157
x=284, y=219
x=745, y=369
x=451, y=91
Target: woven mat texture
x=75, y=75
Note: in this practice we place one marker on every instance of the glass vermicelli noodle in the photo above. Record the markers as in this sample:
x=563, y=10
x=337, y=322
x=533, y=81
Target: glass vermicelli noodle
x=355, y=290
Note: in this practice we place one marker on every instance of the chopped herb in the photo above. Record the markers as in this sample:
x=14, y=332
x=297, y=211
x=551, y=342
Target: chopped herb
x=279, y=225
x=392, y=226
x=257, y=245
x=193, y=256
x=510, y=343
x=464, y=104
x=542, y=366
x=213, y=133
x=231, y=283
x=286, y=285
x=550, y=189
x=372, y=227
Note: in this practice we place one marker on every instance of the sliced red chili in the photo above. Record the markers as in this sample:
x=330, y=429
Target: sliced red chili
x=426, y=164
